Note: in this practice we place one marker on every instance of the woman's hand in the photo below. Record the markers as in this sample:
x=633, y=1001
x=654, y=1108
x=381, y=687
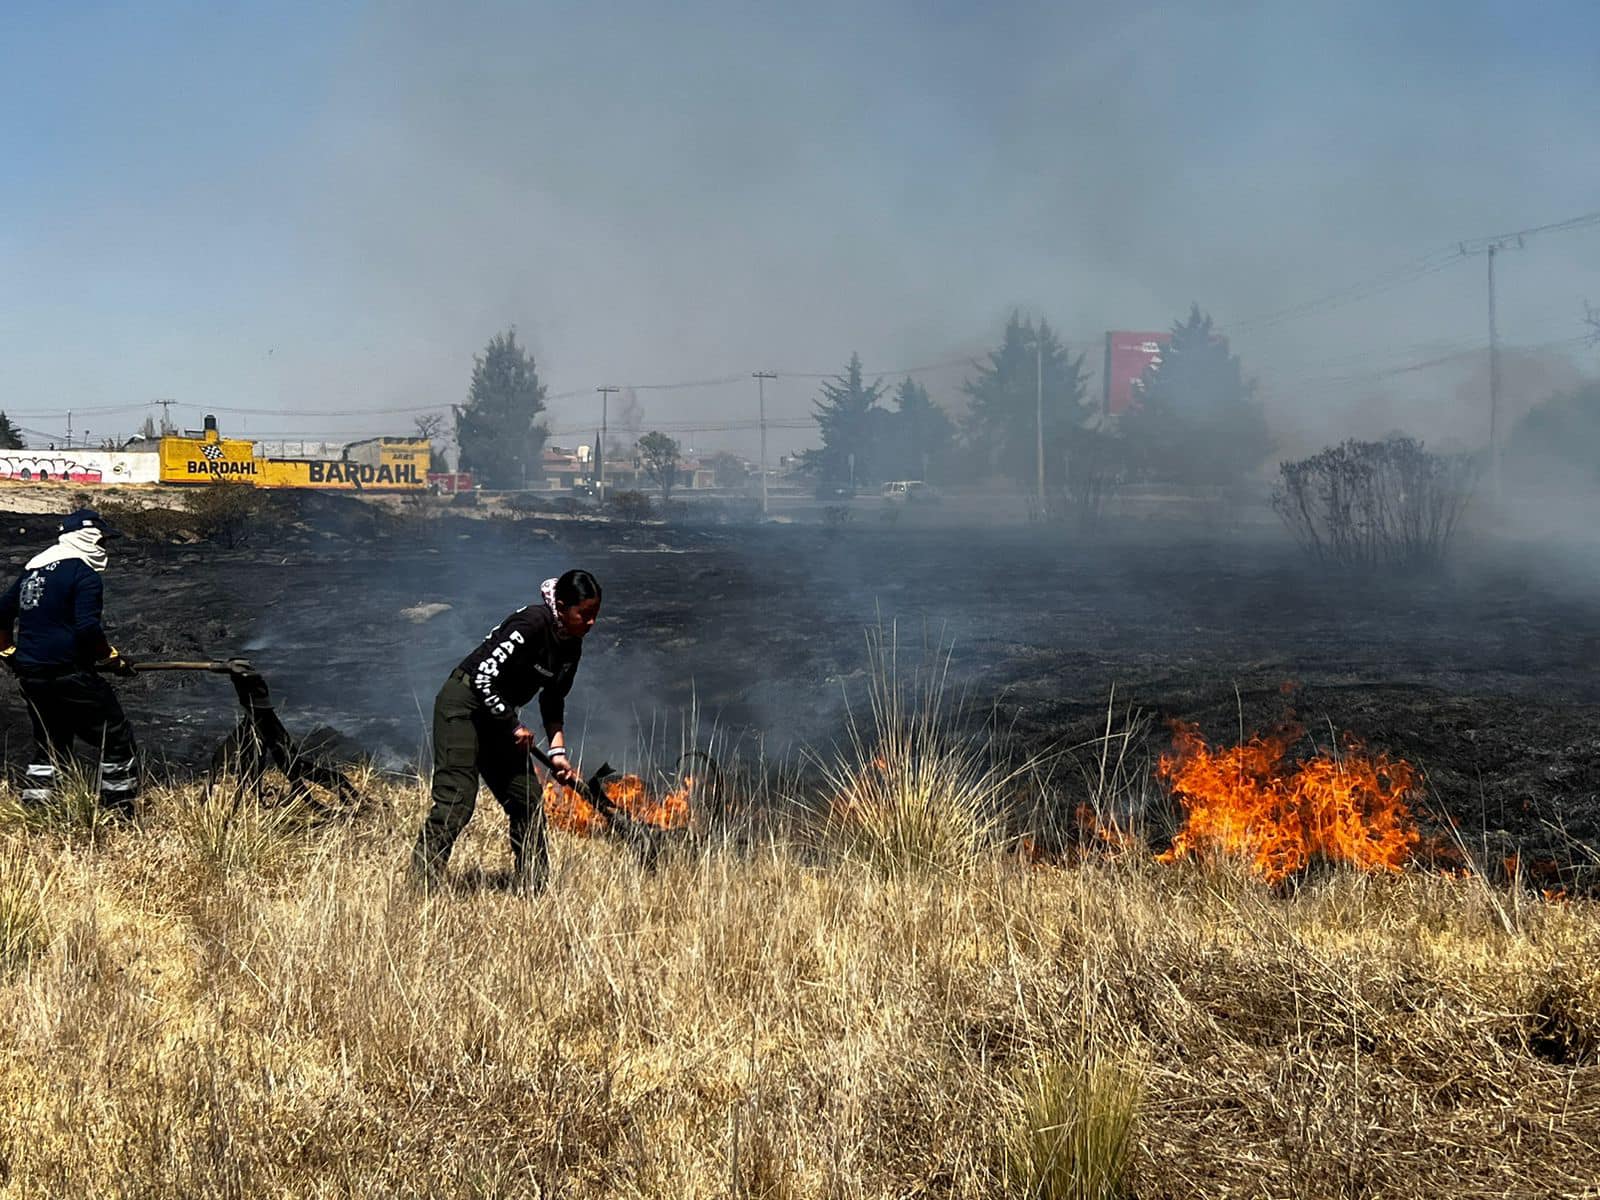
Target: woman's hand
x=563, y=770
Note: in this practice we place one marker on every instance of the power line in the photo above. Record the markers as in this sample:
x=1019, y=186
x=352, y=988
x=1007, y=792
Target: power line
x=1365, y=290
x=966, y=360
x=1428, y=264
x=1457, y=356
x=1479, y=245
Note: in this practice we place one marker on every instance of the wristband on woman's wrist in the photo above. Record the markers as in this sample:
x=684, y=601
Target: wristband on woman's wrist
x=558, y=751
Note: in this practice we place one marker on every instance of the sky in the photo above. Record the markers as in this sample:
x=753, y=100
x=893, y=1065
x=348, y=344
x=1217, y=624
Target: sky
x=308, y=217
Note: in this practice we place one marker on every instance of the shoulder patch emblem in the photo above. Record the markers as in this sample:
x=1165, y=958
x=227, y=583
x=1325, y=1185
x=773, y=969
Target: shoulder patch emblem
x=32, y=591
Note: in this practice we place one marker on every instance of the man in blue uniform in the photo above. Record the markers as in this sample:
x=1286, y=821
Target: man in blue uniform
x=54, y=607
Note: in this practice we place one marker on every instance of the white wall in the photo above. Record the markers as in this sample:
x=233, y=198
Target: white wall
x=79, y=466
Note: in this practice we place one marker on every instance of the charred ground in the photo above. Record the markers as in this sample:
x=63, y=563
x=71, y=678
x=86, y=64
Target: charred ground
x=1481, y=673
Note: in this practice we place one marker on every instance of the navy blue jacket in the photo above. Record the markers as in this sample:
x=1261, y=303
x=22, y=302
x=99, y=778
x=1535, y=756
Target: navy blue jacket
x=56, y=610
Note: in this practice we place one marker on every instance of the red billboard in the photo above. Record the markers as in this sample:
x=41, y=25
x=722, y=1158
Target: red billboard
x=1127, y=357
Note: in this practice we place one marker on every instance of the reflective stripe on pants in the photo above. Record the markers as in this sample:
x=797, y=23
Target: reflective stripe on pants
x=41, y=783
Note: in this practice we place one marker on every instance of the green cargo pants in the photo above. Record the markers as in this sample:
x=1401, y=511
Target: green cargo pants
x=467, y=743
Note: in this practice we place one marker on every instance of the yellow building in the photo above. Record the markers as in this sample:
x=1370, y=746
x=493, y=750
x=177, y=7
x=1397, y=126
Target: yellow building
x=377, y=464
x=209, y=458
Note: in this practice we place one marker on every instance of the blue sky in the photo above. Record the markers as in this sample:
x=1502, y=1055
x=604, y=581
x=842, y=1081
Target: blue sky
x=297, y=210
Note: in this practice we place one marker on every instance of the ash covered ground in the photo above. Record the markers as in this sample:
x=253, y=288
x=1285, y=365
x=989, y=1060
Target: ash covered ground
x=1483, y=673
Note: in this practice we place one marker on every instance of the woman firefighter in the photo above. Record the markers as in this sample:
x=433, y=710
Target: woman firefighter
x=477, y=732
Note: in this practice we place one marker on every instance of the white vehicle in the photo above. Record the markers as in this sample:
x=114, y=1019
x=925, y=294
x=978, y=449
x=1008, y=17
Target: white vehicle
x=908, y=491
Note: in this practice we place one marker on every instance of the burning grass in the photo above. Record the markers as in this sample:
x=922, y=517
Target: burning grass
x=668, y=810
x=758, y=1021
x=1245, y=802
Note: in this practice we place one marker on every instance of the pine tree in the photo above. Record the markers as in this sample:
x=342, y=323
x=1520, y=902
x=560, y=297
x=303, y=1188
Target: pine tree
x=1196, y=420
x=922, y=432
x=851, y=424
x=10, y=435
x=498, y=436
x=1003, y=419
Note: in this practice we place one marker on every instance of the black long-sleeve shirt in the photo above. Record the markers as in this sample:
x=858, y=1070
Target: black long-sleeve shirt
x=56, y=609
x=524, y=656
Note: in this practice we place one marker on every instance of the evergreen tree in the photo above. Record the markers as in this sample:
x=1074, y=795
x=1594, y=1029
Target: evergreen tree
x=498, y=436
x=1196, y=420
x=850, y=423
x=10, y=435
x=921, y=435
x=659, y=454
x=1003, y=419
x=1557, y=443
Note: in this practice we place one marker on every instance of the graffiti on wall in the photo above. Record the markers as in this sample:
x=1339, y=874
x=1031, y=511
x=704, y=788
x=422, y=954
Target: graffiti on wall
x=46, y=467
x=78, y=466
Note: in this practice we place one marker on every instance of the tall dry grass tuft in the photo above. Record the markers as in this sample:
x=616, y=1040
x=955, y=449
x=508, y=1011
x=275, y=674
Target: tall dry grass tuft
x=22, y=925
x=73, y=809
x=1072, y=1135
x=228, y=832
x=911, y=791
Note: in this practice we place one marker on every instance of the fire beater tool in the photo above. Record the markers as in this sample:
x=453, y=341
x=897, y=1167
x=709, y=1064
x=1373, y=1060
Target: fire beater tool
x=260, y=736
x=644, y=839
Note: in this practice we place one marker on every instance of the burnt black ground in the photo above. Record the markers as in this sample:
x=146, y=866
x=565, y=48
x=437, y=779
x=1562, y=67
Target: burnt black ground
x=1483, y=672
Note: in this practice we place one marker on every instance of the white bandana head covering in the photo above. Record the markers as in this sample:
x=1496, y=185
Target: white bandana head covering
x=547, y=589
x=79, y=543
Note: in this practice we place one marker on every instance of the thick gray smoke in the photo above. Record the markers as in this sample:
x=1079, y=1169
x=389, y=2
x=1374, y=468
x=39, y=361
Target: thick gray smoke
x=331, y=209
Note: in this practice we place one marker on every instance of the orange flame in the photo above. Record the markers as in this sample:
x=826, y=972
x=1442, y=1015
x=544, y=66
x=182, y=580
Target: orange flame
x=1349, y=807
x=566, y=810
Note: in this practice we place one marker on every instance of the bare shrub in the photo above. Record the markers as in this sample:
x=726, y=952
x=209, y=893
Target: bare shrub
x=149, y=523
x=629, y=506
x=225, y=512
x=1370, y=504
x=1098, y=464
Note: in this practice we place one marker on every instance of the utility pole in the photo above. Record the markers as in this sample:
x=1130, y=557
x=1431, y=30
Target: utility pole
x=69, y=429
x=1490, y=249
x=1038, y=417
x=166, y=416
x=605, y=396
x=761, y=378
x=1494, y=382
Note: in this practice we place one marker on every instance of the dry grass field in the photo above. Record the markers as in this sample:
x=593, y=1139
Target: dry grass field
x=233, y=1002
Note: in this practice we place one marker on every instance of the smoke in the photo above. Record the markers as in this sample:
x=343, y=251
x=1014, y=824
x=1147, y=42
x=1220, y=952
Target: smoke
x=332, y=209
